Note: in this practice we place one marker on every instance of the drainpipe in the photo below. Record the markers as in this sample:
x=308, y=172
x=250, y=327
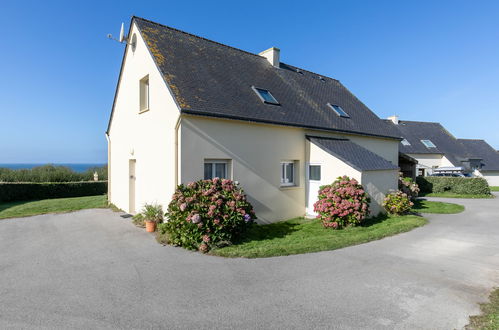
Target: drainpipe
x=108, y=138
x=177, y=126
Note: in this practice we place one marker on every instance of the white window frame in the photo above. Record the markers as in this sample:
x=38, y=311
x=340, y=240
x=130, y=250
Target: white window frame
x=144, y=91
x=428, y=145
x=213, y=168
x=283, y=180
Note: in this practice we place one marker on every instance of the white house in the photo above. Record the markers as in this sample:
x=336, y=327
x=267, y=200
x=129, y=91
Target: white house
x=435, y=149
x=187, y=108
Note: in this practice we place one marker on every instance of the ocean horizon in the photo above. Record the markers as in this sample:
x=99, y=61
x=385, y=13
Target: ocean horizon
x=77, y=167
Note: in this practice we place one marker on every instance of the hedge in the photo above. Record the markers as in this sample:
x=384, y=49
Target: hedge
x=10, y=192
x=469, y=186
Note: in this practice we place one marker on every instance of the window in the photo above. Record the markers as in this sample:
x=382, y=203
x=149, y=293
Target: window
x=215, y=169
x=144, y=94
x=339, y=111
x=265, y=95
x=314, y=172
x=405, y=142
x=288, y=173
x=428, y=144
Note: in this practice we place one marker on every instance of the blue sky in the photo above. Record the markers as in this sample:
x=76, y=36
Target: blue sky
x=423, y=60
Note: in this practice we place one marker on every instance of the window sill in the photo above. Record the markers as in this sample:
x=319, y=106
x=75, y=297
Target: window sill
x=288, y=187
x=142, y=111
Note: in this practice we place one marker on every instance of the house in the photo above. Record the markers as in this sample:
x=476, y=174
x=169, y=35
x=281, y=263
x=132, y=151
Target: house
x=188, y=108
x=437, y=150
x=489, y=167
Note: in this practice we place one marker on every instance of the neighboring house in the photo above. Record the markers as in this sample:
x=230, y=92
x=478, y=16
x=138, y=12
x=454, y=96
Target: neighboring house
x=489, y=167
x=187, y=108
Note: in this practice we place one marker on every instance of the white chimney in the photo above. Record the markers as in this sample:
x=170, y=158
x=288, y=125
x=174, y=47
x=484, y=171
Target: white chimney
x=272, y=55
x=394, y=119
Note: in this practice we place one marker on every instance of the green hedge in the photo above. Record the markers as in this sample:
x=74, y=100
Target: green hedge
x=10, y=192
x=469, y=186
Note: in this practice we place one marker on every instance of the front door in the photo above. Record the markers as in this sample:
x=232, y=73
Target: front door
x=131, y=186
x=313, y=185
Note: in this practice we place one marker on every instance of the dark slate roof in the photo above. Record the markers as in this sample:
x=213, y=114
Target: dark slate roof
x=211, y=79
x=446, y=143
x=352, y=154
x=482, y=150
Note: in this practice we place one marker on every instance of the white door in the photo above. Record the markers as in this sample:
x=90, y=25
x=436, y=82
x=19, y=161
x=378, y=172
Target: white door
x=313, y=185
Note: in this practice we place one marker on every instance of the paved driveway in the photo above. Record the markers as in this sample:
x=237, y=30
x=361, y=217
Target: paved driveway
x=94, y=269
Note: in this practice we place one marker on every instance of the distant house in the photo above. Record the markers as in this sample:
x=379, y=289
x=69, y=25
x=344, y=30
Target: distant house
x=437, y=150
x=187, y=108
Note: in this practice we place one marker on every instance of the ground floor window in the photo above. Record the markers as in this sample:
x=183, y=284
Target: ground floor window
x=216, y=169
x=287, y=173
x=314, y=172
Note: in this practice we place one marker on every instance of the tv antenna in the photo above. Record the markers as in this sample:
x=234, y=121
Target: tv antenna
x=122, y=39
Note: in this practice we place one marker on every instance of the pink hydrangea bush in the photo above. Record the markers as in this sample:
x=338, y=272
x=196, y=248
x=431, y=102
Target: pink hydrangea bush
x=342, y=203
x=206, y=214
x=397, y=203
x=408, y=186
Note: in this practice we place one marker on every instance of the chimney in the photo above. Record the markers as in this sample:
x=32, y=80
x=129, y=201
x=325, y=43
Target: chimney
x=394, y=119
x=272, y=55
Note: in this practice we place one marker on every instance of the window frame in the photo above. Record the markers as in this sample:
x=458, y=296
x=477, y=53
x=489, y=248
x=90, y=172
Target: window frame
x=308, y=172
x=212, y=161
x=430, y=145
x=144, y=94
x=407, y=143
x=257, y=89
x=342, y=114
x=283, y=171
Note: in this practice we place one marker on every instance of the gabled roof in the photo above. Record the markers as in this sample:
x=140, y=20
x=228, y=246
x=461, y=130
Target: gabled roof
x=482, y=150
x=211, y=79
x=352, y=154
x=446, y=144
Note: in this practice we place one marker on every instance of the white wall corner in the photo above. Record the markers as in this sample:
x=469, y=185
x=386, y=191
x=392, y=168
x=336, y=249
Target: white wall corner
x=272, y=55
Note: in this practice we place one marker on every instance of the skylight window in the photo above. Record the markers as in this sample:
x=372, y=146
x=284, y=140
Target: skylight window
x=428, y=144
x=265, y=95
x=339, y=111
x=405, y=142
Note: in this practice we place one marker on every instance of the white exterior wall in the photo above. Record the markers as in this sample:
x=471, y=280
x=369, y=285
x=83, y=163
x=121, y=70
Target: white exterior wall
x=446, y=162
x=378, y=184
x=492, y=177
x=256, y=150
x=147, y=137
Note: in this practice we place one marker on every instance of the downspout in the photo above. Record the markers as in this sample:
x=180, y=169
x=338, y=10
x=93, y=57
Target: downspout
x=177, y=126
x=108, y=138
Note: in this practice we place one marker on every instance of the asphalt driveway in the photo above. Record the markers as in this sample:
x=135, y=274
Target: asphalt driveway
x=94, y=269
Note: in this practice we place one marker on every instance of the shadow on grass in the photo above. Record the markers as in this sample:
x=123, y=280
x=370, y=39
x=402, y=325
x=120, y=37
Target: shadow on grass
x=8, y=205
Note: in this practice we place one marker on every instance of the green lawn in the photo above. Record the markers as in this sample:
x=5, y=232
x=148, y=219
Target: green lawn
x=494, y=188
x=452, y=195
x=489, y=319
x=423, y=206
x=57, y=205
x=301, y=235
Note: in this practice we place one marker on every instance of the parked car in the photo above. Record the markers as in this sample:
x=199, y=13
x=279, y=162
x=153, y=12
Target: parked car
x=455, y=175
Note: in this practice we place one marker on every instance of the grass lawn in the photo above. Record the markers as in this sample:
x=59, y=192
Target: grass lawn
x=423, y=206
x=57, y=205
x=452, y=195
x=494, y=188
x=489, y=319
x=301, y=235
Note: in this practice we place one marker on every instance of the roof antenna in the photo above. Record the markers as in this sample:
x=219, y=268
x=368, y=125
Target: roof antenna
x=122, y=38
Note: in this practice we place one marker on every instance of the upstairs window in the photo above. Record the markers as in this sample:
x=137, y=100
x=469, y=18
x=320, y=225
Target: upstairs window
x=428, y=144
x=265, y=95
x=339, y=111
x=144, y=94
x=405, y=142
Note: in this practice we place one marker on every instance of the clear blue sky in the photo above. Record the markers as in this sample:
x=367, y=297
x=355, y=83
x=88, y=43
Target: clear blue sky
x=423, y=60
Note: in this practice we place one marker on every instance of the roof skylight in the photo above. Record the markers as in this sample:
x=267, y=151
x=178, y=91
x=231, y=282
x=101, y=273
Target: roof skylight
x=428, y=144
x=265, y=95
x=339, y=111
x=405, y=142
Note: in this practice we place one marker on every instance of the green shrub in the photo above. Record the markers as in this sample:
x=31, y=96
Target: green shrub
x=206, y=214
x=397, y=203
x=342, y=203
x=139, y=220
x=33, y=191
x=51, y=173
x=469, y=186
x=152, y=212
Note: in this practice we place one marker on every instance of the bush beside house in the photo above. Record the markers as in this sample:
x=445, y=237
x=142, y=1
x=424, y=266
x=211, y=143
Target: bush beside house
x=34, y=191
x=469, y=186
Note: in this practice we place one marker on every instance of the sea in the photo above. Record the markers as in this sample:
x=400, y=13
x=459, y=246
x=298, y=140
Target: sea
x=79, y=167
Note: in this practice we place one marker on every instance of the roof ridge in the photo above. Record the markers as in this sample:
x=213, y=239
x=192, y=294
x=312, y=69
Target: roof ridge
x=470, y=139
x=418, y=121
x=231, y=47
